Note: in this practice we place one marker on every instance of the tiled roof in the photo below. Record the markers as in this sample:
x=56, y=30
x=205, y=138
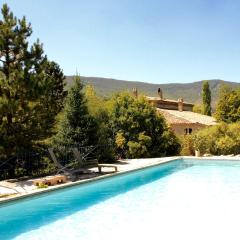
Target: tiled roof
x=186, y=117
x=166, y=100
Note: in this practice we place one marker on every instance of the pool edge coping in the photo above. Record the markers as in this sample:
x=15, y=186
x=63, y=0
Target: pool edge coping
x=84, y=181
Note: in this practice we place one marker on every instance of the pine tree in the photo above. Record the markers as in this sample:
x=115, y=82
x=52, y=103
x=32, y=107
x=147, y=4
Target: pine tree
x=76, y=125
x=31, y=87
x=206, y=98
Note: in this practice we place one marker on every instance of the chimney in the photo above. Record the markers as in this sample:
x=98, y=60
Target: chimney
x=135, y=92
x=180, y=104
x=160, y=93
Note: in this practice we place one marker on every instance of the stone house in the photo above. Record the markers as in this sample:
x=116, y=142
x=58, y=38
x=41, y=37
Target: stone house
x=179, y=114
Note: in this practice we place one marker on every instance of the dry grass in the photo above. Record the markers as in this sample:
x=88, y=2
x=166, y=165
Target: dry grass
x=7, y=195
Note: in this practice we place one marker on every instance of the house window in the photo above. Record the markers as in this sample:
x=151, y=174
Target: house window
x=188, y=131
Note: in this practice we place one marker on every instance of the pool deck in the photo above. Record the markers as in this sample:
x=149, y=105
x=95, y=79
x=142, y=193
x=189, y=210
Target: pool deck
x=22, y=189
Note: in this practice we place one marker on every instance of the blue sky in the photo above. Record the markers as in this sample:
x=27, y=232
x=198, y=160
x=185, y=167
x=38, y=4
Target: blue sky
x=158, y=41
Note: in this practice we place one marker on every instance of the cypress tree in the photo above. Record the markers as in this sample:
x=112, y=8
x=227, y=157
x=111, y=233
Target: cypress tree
x=206, y=99
x=77, y=126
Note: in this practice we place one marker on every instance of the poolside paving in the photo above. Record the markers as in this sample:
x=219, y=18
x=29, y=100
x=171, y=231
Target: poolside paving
x=28, y=187
x=24, y=188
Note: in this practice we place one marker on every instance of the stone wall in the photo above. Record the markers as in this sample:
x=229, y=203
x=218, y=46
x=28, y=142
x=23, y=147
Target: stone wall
x=163, y=104
x=188, y=128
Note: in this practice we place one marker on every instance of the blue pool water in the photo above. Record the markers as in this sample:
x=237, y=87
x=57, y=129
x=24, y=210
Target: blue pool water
x=184, y=199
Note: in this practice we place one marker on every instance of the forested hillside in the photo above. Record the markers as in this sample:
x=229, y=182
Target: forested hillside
x=191, y=92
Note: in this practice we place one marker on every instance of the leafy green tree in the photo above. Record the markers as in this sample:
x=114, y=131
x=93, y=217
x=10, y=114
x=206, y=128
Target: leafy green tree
x=94, y=102
x=206, y=99
x=139, y=130
x=77, y=126
x=98, y=108
x=31, y=87
x=228, y=105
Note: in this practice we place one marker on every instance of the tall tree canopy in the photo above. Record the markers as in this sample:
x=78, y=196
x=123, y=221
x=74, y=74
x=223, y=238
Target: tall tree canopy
x=99, y=109
x=228, y=105
x=31, y=87
x=77, y=126
x=139, y=130
x=206, y=99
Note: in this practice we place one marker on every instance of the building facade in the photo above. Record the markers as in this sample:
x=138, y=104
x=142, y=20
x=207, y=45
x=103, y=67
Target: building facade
x=179, y=115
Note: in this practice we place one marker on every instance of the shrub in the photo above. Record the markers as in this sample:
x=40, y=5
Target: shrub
x=221, y=139
x=42, y=185
x=187, y=144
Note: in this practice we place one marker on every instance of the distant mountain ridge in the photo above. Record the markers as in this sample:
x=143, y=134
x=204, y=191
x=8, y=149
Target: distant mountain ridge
x=190, y=92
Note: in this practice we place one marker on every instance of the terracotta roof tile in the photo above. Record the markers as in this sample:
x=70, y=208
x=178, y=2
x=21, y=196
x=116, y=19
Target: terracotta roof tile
x=186, y=117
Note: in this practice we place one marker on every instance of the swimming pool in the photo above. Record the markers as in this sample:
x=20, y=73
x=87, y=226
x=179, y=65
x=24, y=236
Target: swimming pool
x=182, y=199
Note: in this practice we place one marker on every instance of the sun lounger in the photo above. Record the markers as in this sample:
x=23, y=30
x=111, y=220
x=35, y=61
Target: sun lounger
x=65, y=169
x=83, y=161
x=100, y=166
x=92, y=162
